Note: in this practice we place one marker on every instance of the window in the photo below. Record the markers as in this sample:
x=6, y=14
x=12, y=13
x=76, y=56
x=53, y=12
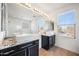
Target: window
x=67, y=18
x=66, y=23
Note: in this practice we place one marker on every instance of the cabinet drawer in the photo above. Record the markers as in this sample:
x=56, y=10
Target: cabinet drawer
x=19, y=53
x=8, y=49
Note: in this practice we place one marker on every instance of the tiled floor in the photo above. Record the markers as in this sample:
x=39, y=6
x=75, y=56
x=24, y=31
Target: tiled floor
x=56, y=51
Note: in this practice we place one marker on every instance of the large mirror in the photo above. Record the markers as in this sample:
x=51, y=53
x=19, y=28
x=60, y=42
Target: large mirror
x=22, y=21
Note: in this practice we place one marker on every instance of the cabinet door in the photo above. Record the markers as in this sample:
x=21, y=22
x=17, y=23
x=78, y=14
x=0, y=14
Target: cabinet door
x=0, y=53
x=45, y=42
x=33, y=50
x=53, y=39
x=19, y=53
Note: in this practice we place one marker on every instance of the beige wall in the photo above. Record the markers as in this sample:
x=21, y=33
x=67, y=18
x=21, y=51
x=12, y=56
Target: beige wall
x=64, y=42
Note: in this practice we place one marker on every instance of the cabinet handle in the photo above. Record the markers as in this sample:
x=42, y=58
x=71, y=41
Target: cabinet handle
x=8, y=52
x=26, y=46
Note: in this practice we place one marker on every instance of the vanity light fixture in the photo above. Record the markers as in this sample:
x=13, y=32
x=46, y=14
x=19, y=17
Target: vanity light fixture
x=29, y=6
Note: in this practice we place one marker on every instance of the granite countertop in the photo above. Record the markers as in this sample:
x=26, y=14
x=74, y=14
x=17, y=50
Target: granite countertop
x=25, y=38
x=22, y=40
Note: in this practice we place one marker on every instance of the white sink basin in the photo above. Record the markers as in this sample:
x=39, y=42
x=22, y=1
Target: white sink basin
x=49, y=33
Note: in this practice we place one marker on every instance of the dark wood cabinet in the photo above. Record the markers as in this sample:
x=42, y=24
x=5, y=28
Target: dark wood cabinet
x=0, y=53
x=47, y=41
x=26, y=49
x=51, y=40
x=19, y=53
x=33, y=50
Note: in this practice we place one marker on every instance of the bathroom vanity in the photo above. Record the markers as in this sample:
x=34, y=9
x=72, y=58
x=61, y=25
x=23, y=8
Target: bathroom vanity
x=48, y=40
x=30, y=48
